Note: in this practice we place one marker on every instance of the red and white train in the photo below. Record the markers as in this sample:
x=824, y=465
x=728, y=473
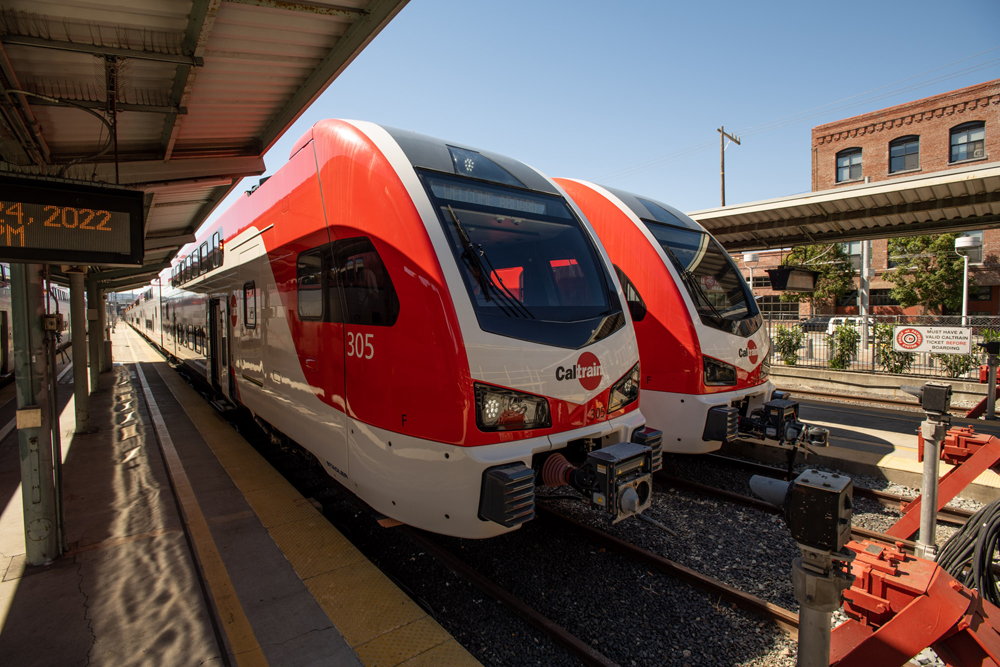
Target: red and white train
x=705, y=354
x=431, y=321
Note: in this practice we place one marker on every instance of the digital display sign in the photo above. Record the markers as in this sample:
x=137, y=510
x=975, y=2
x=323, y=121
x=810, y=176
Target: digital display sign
x=55, y=222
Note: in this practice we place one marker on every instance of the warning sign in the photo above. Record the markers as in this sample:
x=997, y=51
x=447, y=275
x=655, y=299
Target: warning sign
x=940, y=340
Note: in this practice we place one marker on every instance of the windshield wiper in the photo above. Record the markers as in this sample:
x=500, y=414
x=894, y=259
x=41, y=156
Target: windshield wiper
x=691, y=280
x=474, y=255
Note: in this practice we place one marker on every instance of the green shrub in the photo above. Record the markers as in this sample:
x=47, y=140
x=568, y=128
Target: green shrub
x=957, y=365
x=843, y=346
x=787, y=341
x=889, y=359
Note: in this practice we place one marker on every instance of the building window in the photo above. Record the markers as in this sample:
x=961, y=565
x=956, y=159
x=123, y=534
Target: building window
x=772, y=307
x=849, y=165
x=763, y=283
x=847, y=300
x=881, y=297
x=968, y=141
x=854, y=249
x=904, y=154
x=975, y=254
x=980, y=293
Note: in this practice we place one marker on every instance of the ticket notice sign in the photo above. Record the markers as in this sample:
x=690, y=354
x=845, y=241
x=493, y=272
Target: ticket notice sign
x=939, y=340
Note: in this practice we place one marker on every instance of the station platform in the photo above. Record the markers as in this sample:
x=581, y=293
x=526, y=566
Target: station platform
x=873, y=441
x=185, y=547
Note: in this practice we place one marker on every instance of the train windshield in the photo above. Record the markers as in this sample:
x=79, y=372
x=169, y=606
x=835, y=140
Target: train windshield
x=718, y=290
x=530, y=269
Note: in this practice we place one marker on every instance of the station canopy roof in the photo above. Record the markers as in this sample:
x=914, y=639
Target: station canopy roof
x=202, y=90
x=956, y=200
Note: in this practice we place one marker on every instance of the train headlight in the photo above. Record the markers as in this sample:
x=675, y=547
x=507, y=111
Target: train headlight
x=625, y=391
x=506, y=410
x=718, y=373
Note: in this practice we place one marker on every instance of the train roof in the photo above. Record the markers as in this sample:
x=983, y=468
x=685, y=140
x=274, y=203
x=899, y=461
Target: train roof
x=650, y=209
x=431, y=153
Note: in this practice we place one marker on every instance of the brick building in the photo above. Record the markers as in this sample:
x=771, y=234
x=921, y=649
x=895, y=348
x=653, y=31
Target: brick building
x=954, y=130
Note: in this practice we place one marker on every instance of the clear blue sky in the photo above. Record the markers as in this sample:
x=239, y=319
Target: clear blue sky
x=594, y=90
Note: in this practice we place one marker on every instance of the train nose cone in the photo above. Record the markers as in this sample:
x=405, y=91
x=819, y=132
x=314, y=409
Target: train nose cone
x=629, y=501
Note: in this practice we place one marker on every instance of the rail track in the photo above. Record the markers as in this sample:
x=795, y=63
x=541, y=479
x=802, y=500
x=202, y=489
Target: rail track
x=785, y=619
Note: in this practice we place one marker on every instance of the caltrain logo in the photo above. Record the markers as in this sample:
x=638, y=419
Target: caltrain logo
x=587, y=370
x=909, y=339
x=750, y=352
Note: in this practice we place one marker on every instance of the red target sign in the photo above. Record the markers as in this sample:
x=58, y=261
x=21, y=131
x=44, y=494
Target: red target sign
x=909, y=339
x=232, y=310
x=752, y=351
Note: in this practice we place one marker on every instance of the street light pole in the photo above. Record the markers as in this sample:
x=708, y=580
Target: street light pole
x=965, y=290
x=966, y=243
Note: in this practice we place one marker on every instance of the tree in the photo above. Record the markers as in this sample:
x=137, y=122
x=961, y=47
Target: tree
x=836, y=273
x=928, y=272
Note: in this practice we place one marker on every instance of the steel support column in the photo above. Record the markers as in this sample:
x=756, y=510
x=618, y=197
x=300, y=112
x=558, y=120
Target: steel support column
x=78, y=314
x=34, y=428
x=94, y=334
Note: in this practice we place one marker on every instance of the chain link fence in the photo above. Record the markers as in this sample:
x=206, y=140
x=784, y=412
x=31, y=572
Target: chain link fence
x=838, y=342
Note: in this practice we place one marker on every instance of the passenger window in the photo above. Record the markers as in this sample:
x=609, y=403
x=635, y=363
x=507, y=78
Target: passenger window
x=249, y=305
x=369, y=296
x=194, y=264
x=217, y=249
x=310, y=284
x=636, y=306
x=205, y=266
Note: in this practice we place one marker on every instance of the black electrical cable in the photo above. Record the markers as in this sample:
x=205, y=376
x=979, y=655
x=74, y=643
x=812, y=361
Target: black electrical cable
x=969, y=554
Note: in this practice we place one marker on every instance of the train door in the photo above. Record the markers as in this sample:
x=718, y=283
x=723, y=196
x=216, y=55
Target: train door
x=214, y=369
x=251, y=355
x=219, y=345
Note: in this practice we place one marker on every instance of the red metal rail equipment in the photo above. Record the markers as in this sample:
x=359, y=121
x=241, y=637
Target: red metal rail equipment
x=971, y=453
x=900, y=604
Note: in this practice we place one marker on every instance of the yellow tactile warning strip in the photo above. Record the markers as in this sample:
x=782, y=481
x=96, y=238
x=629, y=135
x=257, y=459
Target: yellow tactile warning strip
x=382, y=624
x=242, y=641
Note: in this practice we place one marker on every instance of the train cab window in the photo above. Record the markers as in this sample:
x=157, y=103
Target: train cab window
x=368, y=293
x=636, y=306
x=205, y=266
x=563, y=293
x=309, y=274
x=249, y=305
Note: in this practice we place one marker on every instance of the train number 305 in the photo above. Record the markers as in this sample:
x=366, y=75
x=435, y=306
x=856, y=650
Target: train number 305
x=360, y=345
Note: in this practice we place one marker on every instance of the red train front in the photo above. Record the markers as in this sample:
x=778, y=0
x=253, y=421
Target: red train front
x=705, y=356
x=429, y=320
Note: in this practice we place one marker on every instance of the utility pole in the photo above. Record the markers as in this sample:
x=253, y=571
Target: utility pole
x=722, y=157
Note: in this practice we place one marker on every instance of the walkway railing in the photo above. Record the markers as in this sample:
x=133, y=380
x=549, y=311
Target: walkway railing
x=835, y=342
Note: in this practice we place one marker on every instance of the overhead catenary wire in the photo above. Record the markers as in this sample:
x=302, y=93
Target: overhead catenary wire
x=809, y=114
